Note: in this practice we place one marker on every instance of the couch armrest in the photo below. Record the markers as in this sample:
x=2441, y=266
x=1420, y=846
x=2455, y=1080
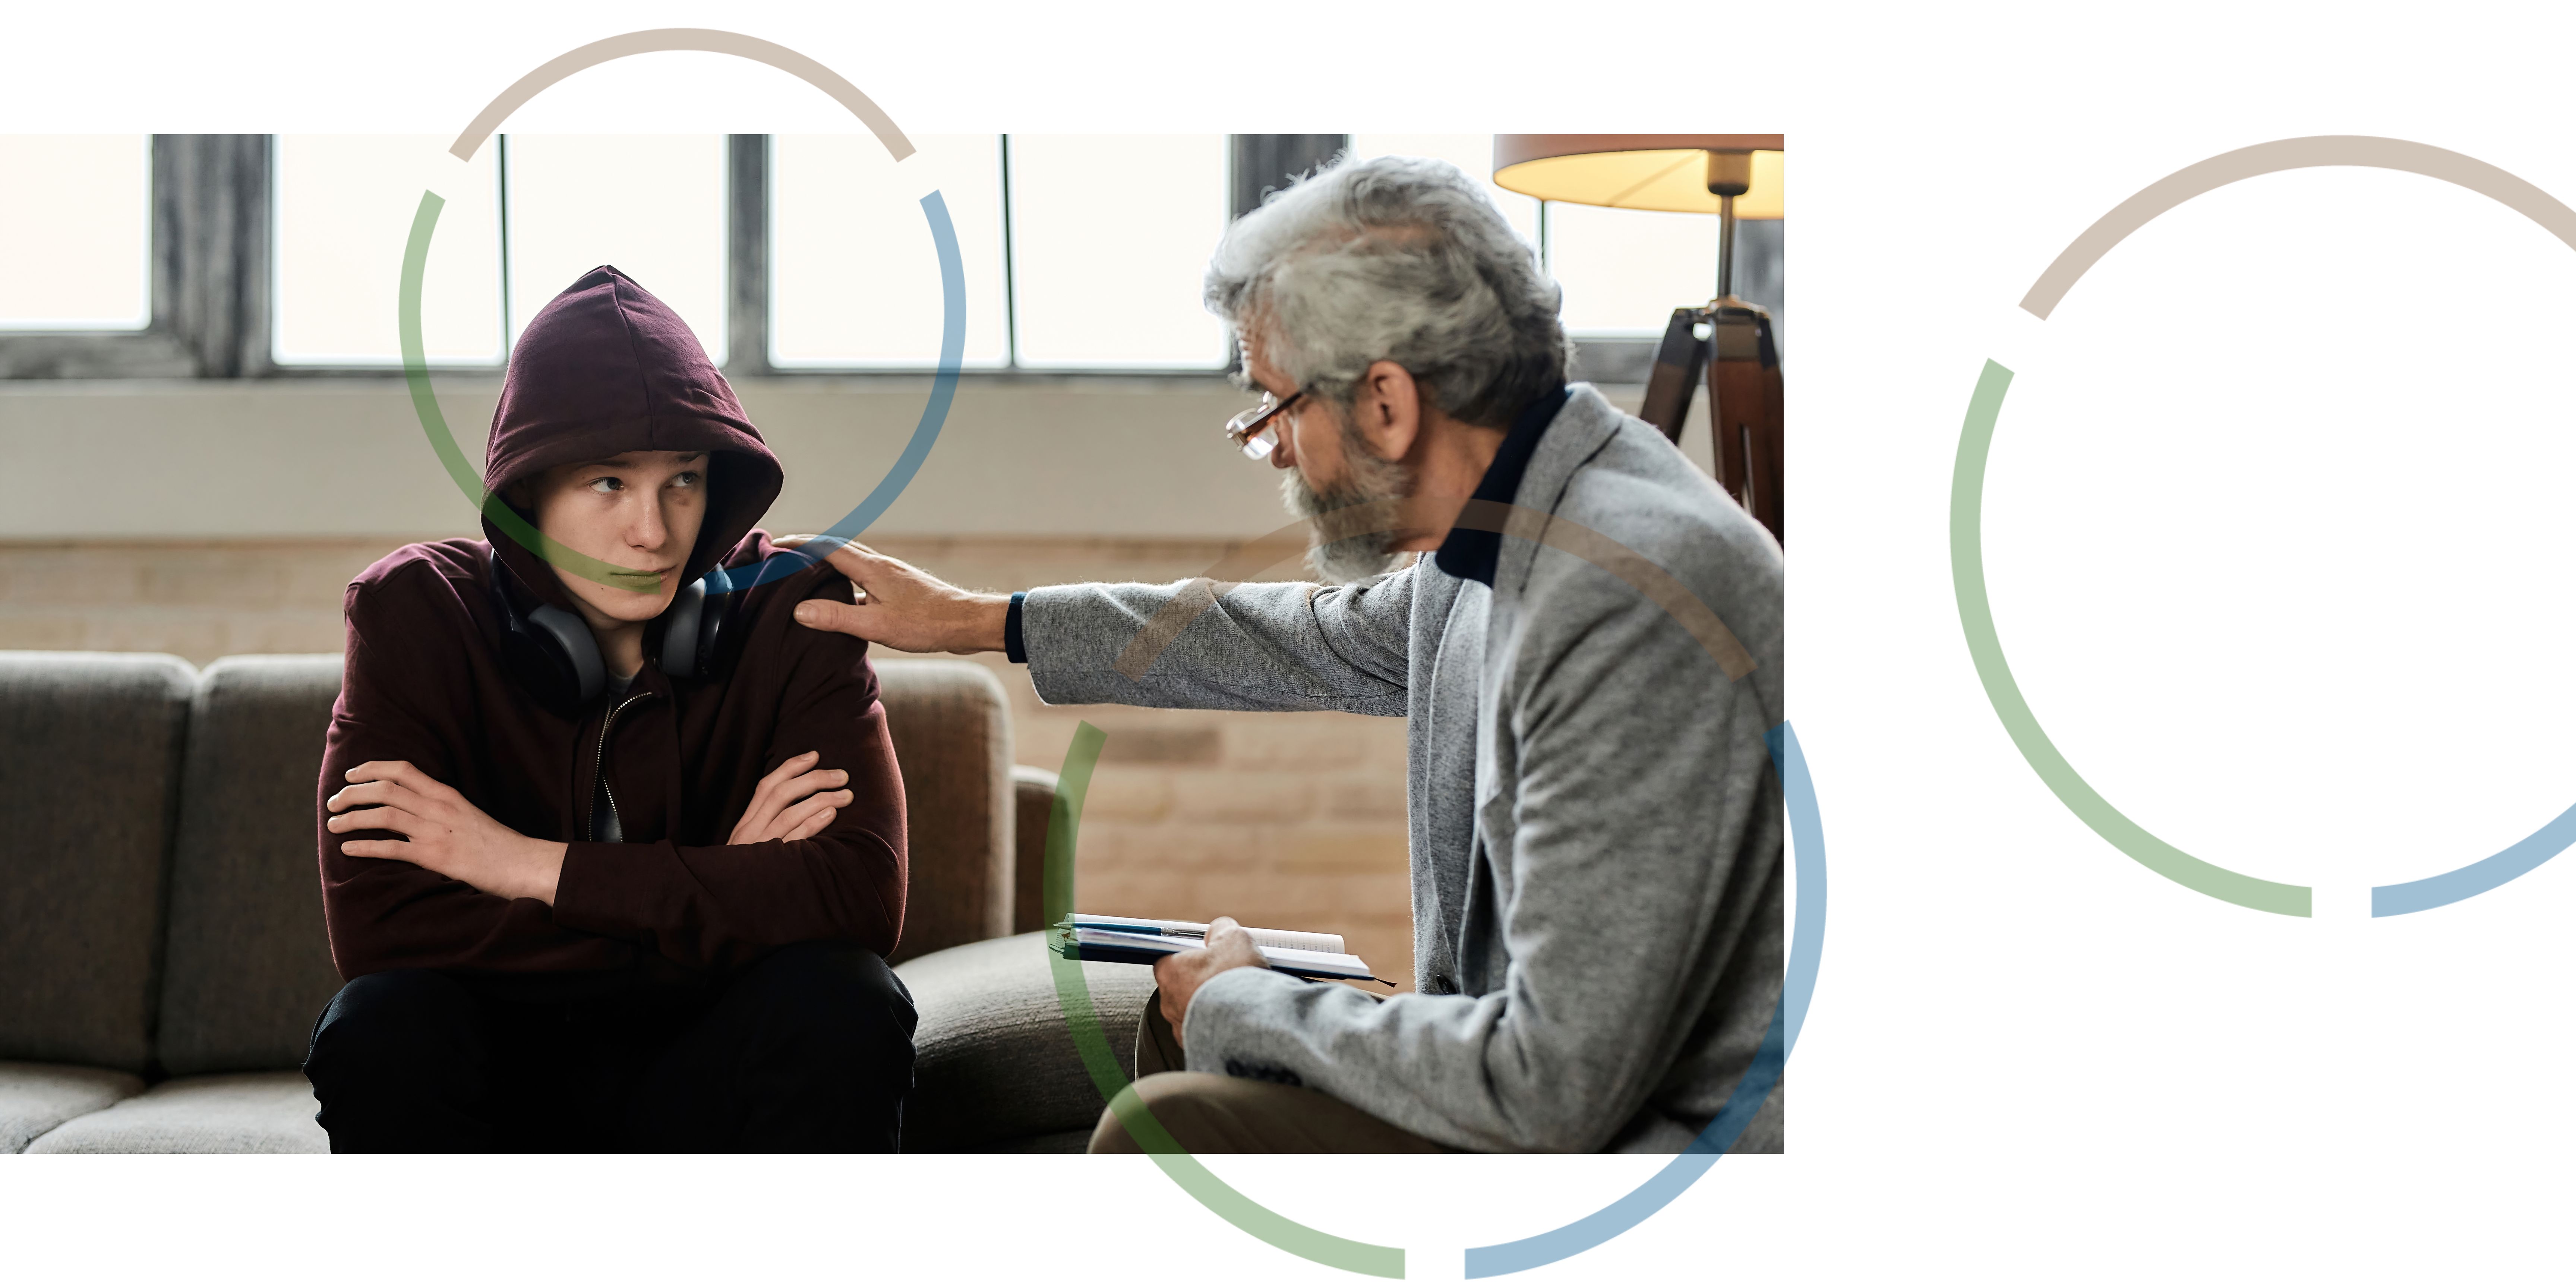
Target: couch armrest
x=952, y=734
x=1034, y=791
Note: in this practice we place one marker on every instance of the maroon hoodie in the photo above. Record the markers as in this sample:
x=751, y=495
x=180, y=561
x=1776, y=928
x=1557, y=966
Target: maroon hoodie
x=606, y=368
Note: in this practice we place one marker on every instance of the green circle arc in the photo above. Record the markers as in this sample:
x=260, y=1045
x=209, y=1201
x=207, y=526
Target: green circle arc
x=1977, y=619
x=1967, y=487
x=1073, y=997
x=1788, y=1015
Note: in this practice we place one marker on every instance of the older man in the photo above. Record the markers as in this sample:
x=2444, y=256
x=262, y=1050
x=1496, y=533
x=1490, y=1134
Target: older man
x=1596, y=830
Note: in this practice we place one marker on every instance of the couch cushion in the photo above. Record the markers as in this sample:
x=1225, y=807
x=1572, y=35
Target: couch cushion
x=226, y=1113
x=86, y=798
x=248, y=964
x=995, y=1063
x=952, y=733
x=36, y=1098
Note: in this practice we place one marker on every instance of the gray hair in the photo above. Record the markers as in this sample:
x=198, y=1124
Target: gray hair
x=1398, y=258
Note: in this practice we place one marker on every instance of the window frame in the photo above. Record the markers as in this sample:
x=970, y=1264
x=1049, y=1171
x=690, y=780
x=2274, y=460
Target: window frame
x=211, y=282
x=207, y=278
x=1255, y=163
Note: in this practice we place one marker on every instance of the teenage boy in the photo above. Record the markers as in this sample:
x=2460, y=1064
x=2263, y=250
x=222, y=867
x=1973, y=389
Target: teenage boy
x=611, y=859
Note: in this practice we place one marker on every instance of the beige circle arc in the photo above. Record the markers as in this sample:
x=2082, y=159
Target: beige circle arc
x=1967, y=529
x=2363, y=150
x=691, y=39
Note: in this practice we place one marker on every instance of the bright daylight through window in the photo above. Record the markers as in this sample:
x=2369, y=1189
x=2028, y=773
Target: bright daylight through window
x=1080, y=253
x=854, y=276
x=1110, y=238
x=341, y=217
x=86, y=200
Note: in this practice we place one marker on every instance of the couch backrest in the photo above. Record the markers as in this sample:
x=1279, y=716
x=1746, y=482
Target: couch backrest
x=247, y=966
x=114, y=761
x=952, y=733
x=89, y=754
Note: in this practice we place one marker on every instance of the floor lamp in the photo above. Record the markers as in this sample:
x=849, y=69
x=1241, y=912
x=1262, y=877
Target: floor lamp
x=1733, y=176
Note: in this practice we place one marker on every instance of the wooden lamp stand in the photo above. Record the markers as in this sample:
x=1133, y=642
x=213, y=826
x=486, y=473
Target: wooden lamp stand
x=1733, y=340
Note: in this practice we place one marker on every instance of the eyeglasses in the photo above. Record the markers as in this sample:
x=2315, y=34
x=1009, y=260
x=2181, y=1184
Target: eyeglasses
x=1256, y=429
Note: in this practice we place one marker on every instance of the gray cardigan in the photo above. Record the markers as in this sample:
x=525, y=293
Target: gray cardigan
x=1596, y=826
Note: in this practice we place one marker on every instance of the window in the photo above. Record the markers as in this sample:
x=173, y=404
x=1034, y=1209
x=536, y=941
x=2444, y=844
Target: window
x=341, y=217
x=651, y=205
x=854, y=278
x=1625, y=271
x=522, y=220
x=86, y=200
x=1060, y=274
x=1080, y=253
x=1110, y=236
x=809, y=253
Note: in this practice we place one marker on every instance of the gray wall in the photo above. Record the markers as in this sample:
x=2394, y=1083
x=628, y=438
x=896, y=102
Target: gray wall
x=1100, y=456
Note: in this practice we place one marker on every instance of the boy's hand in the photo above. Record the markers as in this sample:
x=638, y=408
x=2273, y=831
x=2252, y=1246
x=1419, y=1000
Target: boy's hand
x=902, y=607
x=447, y=834
x=792, y=803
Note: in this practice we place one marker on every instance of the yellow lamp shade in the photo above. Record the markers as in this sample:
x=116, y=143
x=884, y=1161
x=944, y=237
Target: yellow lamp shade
x=1637, y=171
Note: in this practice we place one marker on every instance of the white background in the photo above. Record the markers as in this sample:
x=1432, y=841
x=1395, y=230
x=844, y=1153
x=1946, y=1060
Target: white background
x=2277, y=517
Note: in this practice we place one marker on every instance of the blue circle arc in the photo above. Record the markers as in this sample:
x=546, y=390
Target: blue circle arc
x=934, y=414
x=2477, y=878
x=1806, y=950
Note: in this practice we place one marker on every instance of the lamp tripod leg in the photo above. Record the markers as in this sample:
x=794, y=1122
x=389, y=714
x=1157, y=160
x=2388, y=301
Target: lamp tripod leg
x=1677, y=362
x=1745, y=411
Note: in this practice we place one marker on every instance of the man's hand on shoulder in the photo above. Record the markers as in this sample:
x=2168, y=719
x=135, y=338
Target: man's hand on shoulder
x=446, y=833
x=902, y=607
x=1229, y=947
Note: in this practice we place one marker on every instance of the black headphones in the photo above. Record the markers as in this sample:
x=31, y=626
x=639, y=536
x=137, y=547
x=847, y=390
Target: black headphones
x=552, y=652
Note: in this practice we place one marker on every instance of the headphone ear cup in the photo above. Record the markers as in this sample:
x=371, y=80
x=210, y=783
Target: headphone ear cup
x=578, y=667
x=693, y=631
x=712, y=621
x=542, y=661
x=679, y=656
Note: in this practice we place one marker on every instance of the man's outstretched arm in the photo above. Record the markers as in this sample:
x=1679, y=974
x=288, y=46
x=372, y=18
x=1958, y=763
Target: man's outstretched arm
x=1255, y=646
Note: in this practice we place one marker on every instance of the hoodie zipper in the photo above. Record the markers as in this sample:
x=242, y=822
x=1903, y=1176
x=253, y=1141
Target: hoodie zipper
x=599, y=762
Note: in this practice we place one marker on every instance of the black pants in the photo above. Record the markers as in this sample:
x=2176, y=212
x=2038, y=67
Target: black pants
x=809, y=1049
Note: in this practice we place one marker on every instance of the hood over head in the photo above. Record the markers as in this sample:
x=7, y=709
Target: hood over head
x=606, y=368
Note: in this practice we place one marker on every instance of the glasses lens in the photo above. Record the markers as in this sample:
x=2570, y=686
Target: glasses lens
x=1255, y=445
x=1250, y=414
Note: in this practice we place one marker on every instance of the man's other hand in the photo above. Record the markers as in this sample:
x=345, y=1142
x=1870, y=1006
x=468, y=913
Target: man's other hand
x=794, y=802
x=447, y=834
x=1229, y=947
x=904, y=608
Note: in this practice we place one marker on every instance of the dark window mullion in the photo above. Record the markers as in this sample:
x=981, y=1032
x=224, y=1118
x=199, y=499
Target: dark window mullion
x=501, y=193
x=1010, y=270
x=747, y=195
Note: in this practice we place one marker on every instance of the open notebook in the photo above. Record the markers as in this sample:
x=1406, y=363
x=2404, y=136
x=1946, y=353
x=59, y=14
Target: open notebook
x=1305, y=954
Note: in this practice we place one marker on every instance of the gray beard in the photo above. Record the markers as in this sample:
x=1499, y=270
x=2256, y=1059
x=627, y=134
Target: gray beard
x=1372, y=479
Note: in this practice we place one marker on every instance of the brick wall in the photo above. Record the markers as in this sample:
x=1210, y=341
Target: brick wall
x=1288, y=820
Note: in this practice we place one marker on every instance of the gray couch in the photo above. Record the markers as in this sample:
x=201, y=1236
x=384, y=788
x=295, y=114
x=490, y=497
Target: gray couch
x=162, y=957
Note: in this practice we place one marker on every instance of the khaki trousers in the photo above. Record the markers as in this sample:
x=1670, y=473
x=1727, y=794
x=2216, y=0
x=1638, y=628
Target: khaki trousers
x=1210, y=1113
